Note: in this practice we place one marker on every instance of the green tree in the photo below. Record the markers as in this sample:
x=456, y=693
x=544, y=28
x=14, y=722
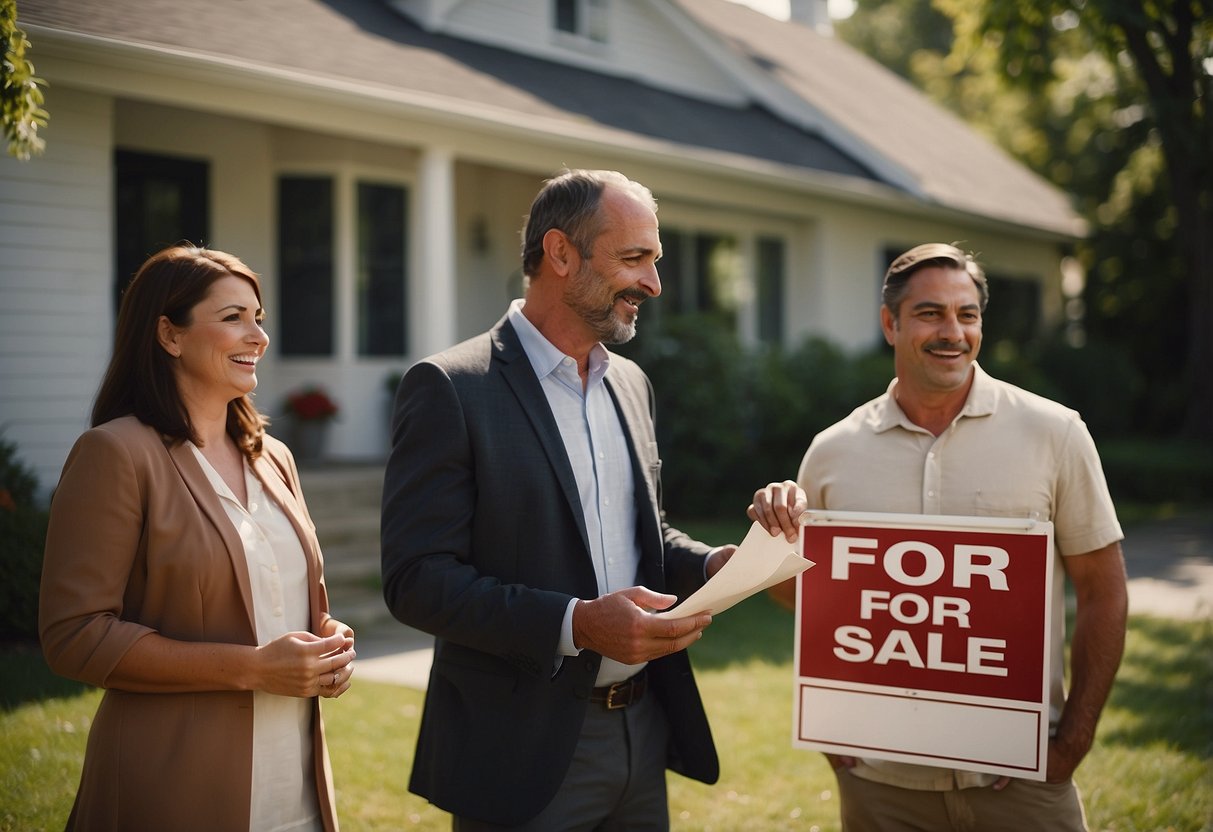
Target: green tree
x=897, y=32
x=1108, y=100
x=1154, y=89
x=20, y=94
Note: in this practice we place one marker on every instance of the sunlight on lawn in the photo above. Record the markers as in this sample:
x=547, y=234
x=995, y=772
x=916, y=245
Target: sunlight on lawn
x=1149, y=770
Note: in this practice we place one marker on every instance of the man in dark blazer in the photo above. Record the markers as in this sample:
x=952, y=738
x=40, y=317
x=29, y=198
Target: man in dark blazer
x=522, y=527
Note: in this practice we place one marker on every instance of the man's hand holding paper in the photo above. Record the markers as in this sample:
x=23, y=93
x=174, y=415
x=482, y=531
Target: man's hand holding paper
x=761, y=561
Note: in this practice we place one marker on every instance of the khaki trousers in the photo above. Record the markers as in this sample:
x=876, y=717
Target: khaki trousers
x=1023, y=805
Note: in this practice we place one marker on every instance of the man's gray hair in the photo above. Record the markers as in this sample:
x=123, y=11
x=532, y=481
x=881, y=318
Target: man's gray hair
x=569, y=202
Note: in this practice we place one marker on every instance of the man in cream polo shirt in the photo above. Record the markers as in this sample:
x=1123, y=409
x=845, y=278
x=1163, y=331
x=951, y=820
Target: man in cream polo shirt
x=946, y=438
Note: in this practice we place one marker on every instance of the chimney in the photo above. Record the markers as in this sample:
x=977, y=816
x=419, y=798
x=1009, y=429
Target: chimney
x=812, y=13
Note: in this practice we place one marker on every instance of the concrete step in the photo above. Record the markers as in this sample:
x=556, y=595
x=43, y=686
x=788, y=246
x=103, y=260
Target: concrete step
x=351, y=564
x=352, y=528
x=334, y=489
x=343, y=500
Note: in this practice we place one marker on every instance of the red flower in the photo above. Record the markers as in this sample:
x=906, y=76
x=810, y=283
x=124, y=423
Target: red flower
x=312, y=404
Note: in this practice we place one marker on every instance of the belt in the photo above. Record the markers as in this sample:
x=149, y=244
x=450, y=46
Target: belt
x=621, y=694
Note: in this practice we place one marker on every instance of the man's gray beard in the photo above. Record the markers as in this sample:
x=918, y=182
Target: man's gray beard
x=616, y=331
x=607, y=325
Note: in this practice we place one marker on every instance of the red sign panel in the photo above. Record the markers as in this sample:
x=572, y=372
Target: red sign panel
x=925, y=640
x=952, y=611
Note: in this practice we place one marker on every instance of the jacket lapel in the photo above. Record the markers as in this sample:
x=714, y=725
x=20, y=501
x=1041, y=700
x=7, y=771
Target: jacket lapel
x=518, y=373
x=208, y=501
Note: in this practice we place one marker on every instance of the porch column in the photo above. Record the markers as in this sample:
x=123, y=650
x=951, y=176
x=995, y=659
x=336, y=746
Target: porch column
x=435, y=281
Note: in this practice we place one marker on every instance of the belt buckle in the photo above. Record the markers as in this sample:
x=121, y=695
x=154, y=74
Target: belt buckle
x=618, y=688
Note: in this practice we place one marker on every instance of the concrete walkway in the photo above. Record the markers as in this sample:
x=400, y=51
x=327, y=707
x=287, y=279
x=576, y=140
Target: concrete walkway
x=1169, y=563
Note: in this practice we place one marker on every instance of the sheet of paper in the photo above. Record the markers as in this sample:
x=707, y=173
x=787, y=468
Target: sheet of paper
x=761, y=561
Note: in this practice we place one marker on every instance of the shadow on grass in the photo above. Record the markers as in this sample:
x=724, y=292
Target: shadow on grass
x=28, y=679
x=1166, y=684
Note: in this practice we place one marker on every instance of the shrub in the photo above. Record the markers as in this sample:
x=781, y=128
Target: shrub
x=1099, y=380
x=702, y=384
x=1159, y=470
x=22, y=539
x=731, y=420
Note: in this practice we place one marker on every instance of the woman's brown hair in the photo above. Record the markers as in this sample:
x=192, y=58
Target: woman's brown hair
x=139, y=380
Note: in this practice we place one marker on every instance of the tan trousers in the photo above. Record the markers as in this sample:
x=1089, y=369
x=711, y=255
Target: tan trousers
x=1022, y=805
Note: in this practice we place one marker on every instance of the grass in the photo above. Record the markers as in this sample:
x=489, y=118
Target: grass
x=1150, y=768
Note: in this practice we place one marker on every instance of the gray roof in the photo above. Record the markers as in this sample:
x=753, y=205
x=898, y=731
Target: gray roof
x=949, y=162
x=367, y=42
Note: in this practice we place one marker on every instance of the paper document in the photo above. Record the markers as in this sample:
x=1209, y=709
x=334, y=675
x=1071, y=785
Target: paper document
x=761, y=561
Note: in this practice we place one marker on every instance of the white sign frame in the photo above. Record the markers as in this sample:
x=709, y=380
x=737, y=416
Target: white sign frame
x=923, y=726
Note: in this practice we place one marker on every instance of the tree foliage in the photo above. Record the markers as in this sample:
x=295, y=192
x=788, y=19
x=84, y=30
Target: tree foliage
x=21, y=97
x=1108, y=99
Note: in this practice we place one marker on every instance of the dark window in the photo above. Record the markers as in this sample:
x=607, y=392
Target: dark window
x=670, y=269
x=305, y=266
x=716, y=275
x=585, y=18
x=700, y=272
x=382, y=276
x=566, y=16
x=1013, y=313
x=769, y=252
x=159, y=201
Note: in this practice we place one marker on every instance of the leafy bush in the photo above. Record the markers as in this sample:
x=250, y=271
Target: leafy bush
x=1159, y=470
x=703, y=389
x=730, y=420
x=1099, y=379
x=22, y=539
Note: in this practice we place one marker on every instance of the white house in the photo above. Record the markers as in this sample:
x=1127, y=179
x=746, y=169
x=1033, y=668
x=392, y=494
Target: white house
x=373, y=160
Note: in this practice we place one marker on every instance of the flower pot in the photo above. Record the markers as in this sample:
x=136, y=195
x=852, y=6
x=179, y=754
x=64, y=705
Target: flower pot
x=308, y=439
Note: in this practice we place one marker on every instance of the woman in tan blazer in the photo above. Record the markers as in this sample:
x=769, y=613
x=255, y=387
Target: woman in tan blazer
x=182, y=574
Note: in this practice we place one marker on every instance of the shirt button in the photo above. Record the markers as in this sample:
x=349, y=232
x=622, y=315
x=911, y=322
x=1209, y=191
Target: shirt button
x=930, y=493
x=278, y=611
x=274, y=568
x=568, y=362
x=607, y=501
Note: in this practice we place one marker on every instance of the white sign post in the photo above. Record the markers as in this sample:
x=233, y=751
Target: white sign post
x=925, y=639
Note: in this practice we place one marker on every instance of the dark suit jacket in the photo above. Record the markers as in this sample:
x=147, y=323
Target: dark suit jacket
x=484, y=545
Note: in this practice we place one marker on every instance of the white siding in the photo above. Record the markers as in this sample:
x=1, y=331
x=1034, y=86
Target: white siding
x=643, y=44
x=56, y=261
x=491, y=205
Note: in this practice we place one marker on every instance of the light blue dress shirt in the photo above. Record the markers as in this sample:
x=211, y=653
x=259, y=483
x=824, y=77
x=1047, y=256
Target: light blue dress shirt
x=596, y=444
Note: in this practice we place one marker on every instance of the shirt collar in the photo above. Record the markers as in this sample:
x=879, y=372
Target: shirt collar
x=251, y=483
x=980, y=402
x=545, y=358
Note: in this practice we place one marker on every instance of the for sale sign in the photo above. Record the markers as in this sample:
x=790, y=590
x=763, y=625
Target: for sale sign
x=925, y=639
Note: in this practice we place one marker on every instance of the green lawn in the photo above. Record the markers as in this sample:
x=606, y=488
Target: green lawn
x=1150, y=769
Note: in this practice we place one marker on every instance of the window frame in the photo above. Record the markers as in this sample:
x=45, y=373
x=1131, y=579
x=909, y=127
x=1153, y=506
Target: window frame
x=747, y=230
x=593, y=23
x=346, y=179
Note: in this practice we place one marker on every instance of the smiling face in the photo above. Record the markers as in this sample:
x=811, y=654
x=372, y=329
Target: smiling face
x=218, y=350
x=937, y=333
x=621, y=273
